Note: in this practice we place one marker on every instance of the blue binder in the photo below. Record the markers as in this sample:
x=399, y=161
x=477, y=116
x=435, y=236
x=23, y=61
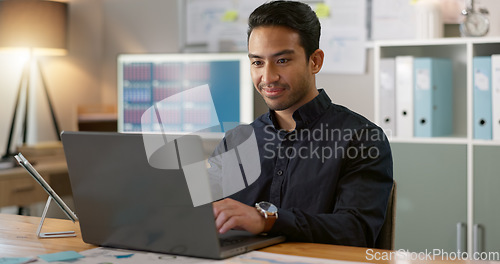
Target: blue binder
x=433, y=95
x=481, y=80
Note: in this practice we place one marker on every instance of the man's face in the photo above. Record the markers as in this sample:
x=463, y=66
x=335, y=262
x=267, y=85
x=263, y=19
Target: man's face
x=279, y=69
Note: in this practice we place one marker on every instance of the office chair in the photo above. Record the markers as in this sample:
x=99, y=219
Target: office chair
x=385, y=239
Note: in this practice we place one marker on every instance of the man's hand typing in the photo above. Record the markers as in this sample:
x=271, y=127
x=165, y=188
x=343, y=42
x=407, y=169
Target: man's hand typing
x=231, y=214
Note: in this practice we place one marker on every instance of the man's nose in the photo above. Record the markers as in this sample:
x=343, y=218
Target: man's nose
x=270, y=74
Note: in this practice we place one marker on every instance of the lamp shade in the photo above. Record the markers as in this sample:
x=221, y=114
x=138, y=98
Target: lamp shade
x=33, y=24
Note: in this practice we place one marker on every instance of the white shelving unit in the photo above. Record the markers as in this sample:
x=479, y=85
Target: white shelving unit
x=460, y=51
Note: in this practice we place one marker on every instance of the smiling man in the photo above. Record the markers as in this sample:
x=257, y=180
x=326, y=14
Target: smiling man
x=326, y=172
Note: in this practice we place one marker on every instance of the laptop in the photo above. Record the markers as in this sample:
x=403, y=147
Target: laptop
x=122, y=201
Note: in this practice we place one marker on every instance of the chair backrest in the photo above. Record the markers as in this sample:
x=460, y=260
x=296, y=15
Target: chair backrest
x=385, y=239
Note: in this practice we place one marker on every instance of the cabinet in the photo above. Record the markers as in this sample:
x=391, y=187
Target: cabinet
x=486, y=198
x=17, y=187
x=447, y=186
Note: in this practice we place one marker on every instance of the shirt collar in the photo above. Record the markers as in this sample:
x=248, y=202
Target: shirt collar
x=307, y=113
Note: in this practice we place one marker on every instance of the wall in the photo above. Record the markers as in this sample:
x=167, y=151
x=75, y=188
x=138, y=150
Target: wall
x=493, y=7
x=132, y=26
x=353, y=91
x=127, y=29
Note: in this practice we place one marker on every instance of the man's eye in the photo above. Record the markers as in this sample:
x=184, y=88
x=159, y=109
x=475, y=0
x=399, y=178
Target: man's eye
x=257, y=63
x=282, y=61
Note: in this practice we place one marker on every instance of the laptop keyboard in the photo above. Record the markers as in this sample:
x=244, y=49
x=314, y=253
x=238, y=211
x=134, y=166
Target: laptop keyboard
x=232, y=240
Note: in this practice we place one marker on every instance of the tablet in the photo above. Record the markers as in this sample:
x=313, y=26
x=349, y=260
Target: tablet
x=25, y=164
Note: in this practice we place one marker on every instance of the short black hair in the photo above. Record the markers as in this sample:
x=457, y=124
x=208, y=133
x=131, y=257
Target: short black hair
x=292, y=14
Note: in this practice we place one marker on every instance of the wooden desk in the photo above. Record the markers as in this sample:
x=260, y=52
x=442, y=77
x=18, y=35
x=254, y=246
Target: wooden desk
x=18, y=236
x=18, y=239
x=18, y=188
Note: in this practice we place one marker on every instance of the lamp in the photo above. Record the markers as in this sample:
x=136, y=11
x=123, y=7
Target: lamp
x=40, y=27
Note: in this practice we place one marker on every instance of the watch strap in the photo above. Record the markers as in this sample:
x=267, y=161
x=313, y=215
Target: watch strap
x=269, y=221
x=269, y=217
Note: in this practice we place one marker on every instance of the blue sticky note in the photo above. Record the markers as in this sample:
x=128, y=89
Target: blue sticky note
x=61, y=256
x=13, y=260
x=124, y=256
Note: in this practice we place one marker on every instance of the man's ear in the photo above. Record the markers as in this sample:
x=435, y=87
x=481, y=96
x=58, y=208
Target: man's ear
x=316, y=60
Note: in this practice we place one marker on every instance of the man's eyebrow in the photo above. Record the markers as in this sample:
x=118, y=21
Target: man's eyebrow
x=283, y=52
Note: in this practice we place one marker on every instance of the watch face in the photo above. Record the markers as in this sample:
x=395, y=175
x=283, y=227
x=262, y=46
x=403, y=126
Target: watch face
x=268, y=207
x=475, y=25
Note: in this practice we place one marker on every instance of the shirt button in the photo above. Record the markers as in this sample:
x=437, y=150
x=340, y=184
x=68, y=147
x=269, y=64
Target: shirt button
x=280, y=172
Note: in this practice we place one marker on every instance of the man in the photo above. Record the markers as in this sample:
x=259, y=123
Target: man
x=326, y=172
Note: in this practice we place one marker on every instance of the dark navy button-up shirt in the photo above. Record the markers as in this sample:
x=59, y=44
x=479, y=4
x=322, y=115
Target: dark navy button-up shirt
x=330, y=177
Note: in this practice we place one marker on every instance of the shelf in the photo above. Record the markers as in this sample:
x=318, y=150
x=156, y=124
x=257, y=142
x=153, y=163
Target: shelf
x=478, y=142
x=457, y=162
x=433, y=140
x=435, y=42
x=445, y=141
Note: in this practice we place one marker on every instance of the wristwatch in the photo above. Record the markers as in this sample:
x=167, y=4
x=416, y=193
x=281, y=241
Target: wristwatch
x=270, y=213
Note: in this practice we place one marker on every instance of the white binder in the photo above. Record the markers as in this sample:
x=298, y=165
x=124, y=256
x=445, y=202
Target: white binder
x=495, y=85
x=404, y=96
x=387, y=100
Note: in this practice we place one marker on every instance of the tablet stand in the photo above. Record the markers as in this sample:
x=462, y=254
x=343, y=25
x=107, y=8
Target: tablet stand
x=51, y=234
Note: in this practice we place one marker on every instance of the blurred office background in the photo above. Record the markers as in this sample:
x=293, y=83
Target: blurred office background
x=99, y=30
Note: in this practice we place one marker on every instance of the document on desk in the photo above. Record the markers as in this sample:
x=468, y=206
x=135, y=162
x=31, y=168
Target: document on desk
x=258, y=257
x=121, y=256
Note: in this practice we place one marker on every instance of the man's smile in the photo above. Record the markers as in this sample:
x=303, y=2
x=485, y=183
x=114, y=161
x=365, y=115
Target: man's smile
x=272, y=91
